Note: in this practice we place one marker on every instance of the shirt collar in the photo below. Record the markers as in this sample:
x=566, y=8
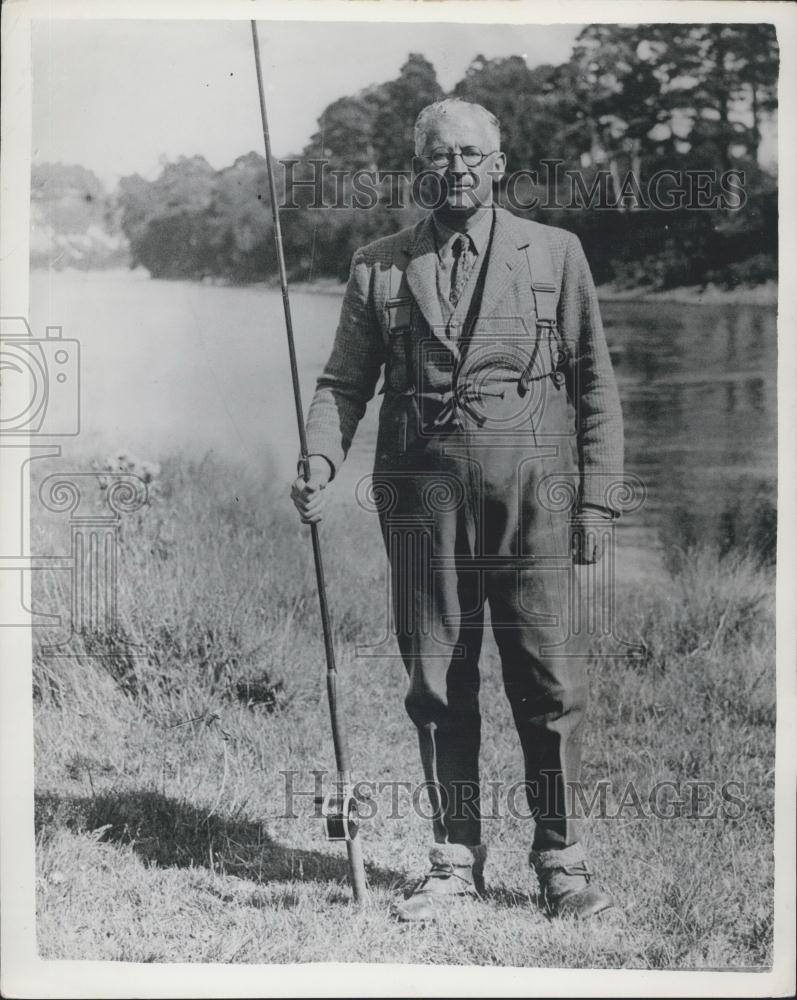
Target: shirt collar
x=479, y=232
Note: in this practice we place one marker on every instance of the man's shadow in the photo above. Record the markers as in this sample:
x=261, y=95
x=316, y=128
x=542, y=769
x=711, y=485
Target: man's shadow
x=172, y=833
x=169, y=832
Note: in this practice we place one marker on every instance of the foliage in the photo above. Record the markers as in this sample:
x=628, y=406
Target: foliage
x=398, y=103
x=73, y=219
x=675, y=96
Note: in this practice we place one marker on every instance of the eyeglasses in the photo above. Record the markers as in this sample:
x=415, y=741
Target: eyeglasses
x=471, y=156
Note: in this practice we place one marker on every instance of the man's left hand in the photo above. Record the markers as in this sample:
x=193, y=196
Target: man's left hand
x=585, y=528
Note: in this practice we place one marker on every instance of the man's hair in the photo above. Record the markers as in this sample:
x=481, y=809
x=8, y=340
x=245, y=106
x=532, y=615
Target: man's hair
x=440, y=109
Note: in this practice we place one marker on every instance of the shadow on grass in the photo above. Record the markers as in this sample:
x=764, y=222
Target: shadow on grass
x=169, y=832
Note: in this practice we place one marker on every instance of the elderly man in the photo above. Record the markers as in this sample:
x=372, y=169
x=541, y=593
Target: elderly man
x=498, y=395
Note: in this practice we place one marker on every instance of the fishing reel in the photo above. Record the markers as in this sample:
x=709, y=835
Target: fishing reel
x=340, y=813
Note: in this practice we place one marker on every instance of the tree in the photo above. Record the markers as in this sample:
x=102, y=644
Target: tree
x=721, y=79
x=165, y=221
x=75, y=197
x=757, y=64
x=396, y=106
x=344, y=135
x=238, y=221
x=136, y=205
x=618, y=82
x=631, y=98
x=509, y=89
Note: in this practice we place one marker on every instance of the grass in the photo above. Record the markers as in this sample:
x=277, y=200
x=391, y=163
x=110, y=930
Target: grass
x=161, y=834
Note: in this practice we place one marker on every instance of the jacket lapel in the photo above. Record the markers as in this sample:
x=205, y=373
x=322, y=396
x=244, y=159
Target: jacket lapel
x=502, y=266
x=422, y=274
x=502, y=262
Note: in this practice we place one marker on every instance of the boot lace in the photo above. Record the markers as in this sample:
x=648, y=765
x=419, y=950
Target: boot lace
x=440, y=870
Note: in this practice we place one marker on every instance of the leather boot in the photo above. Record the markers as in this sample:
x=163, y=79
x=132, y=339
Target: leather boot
x=456, y=871
x=566, y=884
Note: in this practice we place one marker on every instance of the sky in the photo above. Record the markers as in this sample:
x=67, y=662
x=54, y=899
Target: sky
x=117, y=96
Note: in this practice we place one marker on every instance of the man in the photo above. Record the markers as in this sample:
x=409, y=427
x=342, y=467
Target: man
x=498, y=394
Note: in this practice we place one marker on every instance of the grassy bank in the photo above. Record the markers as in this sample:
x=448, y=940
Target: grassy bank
x=161, y=827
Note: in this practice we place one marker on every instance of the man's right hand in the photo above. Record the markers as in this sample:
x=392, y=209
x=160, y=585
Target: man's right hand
x=309, y=497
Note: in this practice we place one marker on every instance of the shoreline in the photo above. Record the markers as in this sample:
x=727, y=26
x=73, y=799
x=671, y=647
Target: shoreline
x=759, y=295
x=709, y=294
x=765, y=294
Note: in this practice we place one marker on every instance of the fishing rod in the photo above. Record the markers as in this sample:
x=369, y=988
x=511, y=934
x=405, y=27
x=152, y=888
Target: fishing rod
x=339, y=807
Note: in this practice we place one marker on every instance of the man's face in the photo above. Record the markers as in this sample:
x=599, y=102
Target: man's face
x=466, y=186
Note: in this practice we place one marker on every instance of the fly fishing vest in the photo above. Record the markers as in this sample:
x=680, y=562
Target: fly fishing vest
x=411, y=347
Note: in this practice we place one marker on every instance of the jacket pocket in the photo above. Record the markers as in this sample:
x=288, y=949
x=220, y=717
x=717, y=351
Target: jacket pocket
x=398, y=423
x=398, y=367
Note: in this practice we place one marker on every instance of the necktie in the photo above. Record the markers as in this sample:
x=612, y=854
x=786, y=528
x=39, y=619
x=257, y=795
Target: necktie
x=463, y=262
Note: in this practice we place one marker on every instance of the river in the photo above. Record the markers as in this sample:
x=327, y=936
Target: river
x=181, y=366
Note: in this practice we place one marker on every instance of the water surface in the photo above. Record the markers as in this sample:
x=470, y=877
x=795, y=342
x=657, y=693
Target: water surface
x=180, y=366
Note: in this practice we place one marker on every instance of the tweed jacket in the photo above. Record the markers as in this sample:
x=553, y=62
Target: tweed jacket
x=359, y=353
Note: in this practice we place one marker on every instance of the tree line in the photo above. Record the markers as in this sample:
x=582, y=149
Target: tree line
x=631, y=102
